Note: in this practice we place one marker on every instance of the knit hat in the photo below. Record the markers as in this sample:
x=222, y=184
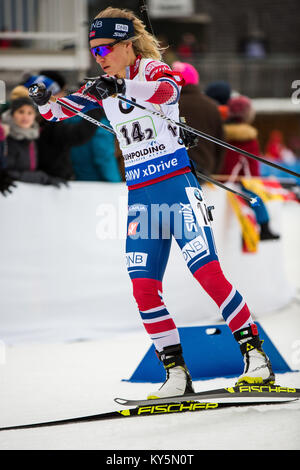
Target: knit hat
x=57, y=77
x=19, y=91
x=49, y=83
x=19, y=102
x=240, y=107
x=219, y=91
x=188, y=72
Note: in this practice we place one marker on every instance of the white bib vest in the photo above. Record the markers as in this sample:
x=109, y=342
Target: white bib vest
x=151, y=146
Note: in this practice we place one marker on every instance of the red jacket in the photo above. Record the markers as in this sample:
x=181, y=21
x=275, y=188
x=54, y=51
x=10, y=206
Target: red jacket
x=243, y=136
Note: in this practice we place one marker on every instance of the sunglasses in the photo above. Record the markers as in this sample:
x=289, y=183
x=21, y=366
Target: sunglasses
x=105, y=49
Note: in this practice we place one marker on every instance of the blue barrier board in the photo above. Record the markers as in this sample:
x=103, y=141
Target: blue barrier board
x=209, y=352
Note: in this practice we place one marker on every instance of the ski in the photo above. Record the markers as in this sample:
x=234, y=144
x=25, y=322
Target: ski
x=251, y=395
x=150, y=409
x=241, y=393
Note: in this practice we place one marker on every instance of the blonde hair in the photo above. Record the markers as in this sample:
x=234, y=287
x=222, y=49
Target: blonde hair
x=143, y=43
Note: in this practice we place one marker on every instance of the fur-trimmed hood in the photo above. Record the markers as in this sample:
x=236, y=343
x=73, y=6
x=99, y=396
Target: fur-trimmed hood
x=240, y=132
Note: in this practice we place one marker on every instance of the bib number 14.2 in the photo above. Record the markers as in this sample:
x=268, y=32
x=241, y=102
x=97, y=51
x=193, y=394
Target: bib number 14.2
x=133, y=132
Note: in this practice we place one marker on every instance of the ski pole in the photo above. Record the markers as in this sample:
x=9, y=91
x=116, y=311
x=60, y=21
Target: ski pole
x=207, y=136
x=252, y=201
x=144, y=12
x=85, y=116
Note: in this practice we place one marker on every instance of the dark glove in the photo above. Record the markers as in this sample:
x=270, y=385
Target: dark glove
x=38, y=177
x=189, y=140
x=48, y=180
x=39, y=93
x=103, y=87
x=6, y=183
x=56, y=181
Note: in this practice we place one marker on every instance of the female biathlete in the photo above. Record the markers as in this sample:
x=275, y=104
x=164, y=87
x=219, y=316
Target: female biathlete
x=165, y=198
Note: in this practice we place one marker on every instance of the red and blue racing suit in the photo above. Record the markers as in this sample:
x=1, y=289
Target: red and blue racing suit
x=165, y=200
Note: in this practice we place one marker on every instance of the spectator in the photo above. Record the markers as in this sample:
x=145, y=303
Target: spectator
x=4, y=130
x=96, y=160
x=240, y=133
x=54, y=81
x=277, y=150
x=255, y=45
x=188, y=47
x=220, y=92
x=201, y=113
x=21, y=159
x=6, y=182
x=5, y=43
x=56, y=139
x=58, y=79
x=18, y=92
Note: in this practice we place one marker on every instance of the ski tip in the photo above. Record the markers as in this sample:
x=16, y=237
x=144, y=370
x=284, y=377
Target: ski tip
x=120, y=401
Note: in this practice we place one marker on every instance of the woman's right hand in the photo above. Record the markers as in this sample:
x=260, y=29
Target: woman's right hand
x=39, y=93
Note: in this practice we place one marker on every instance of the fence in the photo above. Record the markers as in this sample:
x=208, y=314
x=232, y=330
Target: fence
x=39, y=34
x=270, y=77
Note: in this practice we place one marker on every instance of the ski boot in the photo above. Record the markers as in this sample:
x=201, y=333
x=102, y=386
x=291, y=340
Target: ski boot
x=258, y=369
x=178, y=380
x=266, y=233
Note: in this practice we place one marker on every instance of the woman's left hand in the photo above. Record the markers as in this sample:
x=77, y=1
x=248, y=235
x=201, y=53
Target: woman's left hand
x=103, y=87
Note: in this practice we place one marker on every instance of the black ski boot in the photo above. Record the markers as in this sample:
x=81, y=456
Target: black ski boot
x=266, y=233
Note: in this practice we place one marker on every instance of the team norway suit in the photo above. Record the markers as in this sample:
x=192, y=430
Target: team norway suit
x=165, y=200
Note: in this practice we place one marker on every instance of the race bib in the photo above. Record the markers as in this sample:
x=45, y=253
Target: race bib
x=135, y=131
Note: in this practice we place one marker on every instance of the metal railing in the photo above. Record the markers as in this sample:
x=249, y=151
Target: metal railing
x=270, y=77
x=43, y=33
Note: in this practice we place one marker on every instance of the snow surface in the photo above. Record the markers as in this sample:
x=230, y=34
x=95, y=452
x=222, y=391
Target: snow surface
x=51, y=381
x=48, y=380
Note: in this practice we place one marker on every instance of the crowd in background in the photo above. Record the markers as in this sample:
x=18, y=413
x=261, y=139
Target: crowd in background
x=34, y=150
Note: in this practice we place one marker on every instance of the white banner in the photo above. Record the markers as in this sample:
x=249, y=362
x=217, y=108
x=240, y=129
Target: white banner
x=63, y=269
x=171, y=8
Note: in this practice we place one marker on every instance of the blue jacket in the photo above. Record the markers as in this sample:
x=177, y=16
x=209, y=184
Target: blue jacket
x=96, y=160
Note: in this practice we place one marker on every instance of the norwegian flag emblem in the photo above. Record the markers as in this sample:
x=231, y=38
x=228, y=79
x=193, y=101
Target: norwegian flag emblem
x=132, y=228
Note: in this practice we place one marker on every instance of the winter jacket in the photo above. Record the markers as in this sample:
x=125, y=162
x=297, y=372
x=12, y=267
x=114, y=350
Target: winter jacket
x=2, y=146
x=56, y=140
x=202, y=113
x=6, y=182
x=21, y=153
x=243, y=136
x=21, y=157
x=96, y=160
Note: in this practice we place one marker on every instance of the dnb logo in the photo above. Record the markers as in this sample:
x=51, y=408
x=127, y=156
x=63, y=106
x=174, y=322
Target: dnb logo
x=126, y=108
x=96, y=24
x=135, y=259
